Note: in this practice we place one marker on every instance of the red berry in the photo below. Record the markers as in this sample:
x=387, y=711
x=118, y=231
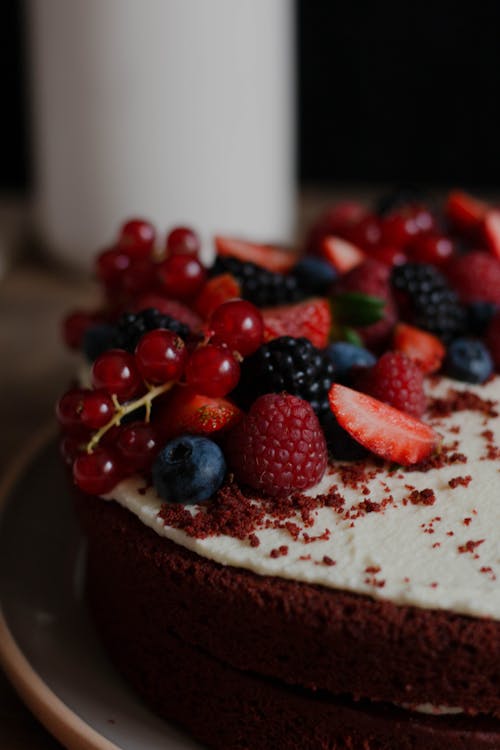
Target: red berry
x=183, y=241
x=268, y=256
x=97, y=409
x=137, y=445
x=493, y=339
x=69, y=408
x=216, y=291
x=391, y=256
x=465, y=212
x=278, y=446
x=433, y=248
x=311, y=319
x=382, y=429
x=182, y=276
x=336, y=220
x=138, y=278
x=423, y=347
x=188, y=412
x=238, y=324
x=116, y=372
x=74, y=326
x=212, y=370
x=491, y=229
x=365, y=234
x=110, y=265
x=71, y=446
x=397, y=380
x=343, y=255
x=137, y=238
x=167, y=306
x=96, y=473
x=160, y=356
x=476, y=276
x=401, y=228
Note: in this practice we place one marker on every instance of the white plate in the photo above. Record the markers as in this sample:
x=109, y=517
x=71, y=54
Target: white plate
x=48, y=646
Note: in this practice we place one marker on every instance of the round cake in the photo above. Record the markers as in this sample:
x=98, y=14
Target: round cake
x=287, y=473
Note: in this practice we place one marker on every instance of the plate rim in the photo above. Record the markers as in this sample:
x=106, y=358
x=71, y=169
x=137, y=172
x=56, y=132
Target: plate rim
x=63, y=723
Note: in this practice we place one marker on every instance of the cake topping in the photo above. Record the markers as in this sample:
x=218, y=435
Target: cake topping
x=189, y=469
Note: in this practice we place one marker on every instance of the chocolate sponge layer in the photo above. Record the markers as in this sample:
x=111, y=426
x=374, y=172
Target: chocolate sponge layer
x=150, y=595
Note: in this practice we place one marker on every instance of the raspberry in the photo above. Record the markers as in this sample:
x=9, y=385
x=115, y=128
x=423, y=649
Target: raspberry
x=397, y=380
x=279, y=446
x=476, y=276
x=259, y=285
x=372, y=277
x=493, y=340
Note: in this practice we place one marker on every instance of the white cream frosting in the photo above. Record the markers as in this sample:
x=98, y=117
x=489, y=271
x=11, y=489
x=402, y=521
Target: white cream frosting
x=445, y=555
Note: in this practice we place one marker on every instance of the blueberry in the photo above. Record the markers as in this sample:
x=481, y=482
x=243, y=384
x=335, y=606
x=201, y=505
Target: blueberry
x=189, y=469
x=346, y=356
x=468, y=360
x=479, y=315
x=97, y=340
x=314, y=275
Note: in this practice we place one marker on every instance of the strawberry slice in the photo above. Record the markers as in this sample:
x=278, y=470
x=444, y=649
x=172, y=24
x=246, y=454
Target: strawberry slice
x=216, y=291
x=492, y=231
x=167, y=306
x=424, y=348
x=382, y=429
x=186, y=411
x=341, y=254
x=268, y=256
x=465, y=212
x=311, y=319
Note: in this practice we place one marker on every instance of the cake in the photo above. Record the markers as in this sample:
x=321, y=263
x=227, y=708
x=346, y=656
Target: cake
x=294, y=543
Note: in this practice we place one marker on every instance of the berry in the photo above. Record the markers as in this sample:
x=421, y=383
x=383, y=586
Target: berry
x=116, y=372
x=189, y=469
x=389, y=255
x=132, y=326
x=182, y=241
x=137, y=445
x=348, y=358
x=171, y=307
x=216, y=291
x=288, y=364
x=493, y=339
x=422, y=347
x=137, y=238
x=365, y=234
x=397, y=380
x=314, y=275
x=401, y=228
x=382, y=429
x=160, y=356
x=71, y=446
x=239, y=325
x=137, y=278
x=468, y=360
x=426, y=301
x=311, y=319
x=75, y=326
x=98, y=339
x=476, y=276
x=97, y=409
x=212, y=370
x=69, y=409
x=98, y=472
x=110, y=265
x=259, y=285
x=432, y=248
x=464, y=212
x=268, y=256
x=479, y=316
x=336, y=220
x=492, y=231
x=278, y=446
x=342, y=255
x=181, y=276
x=188, y=412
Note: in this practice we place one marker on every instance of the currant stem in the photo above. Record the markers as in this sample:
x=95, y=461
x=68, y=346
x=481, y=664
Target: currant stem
x=123, y=409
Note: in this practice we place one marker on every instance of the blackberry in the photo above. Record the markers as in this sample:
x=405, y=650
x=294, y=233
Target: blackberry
x=131, y=326
x=426, y=300
x=258, y=285
x=288, y=364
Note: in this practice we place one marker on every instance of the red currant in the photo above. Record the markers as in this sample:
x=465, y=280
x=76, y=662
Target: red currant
x=69, y=408
x=365, y=233
x=391, y=256
x=137, y=238
x=182, y=276
x=212, y=370
x=160, y=356
x=97, y=409
x=183, y=241
x=238, y=324
x=138, y=278
x=434, y=249
x=137, y=445
x=110, y=264
x=70, y=446
x=116, y=372
x=74, y=326
x=98, y=472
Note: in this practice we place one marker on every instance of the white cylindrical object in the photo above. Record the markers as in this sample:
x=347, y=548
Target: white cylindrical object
x=181, y=111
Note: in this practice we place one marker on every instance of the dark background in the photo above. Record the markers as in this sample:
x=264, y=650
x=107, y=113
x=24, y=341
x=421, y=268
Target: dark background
x=388, y=92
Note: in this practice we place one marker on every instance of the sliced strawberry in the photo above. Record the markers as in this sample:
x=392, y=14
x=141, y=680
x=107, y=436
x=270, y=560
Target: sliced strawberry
x=167, y=306
x=341, y=254
x=492, y=231
x=311, y=319
x=216, y=291
x=188, y=412
x=268, y=256
x=381, y=428
x=465, y=212
x=424, y=348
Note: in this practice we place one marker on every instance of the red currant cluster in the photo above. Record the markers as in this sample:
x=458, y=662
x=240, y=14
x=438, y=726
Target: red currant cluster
x=98, y=442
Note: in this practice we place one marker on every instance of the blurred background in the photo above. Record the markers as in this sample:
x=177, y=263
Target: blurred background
x=271, y=110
